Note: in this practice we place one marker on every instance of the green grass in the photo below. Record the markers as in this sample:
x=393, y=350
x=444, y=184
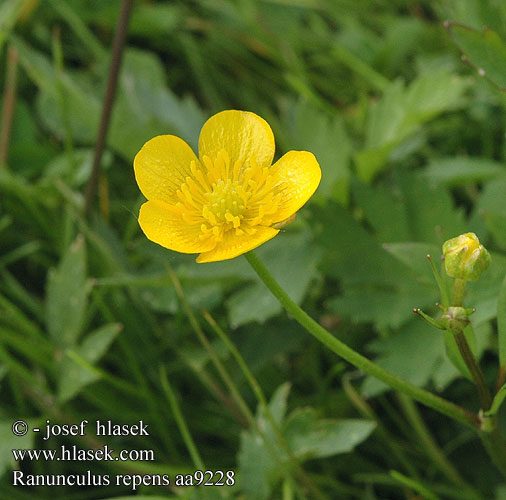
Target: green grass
x=98, y=323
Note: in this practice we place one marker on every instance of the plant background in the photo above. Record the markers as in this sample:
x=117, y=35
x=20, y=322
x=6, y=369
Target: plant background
x=410, y=140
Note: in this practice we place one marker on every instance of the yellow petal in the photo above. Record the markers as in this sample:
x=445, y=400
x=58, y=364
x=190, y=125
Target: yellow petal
x=233, y=245
x=241, y=133
x=298, y=175
x=164, y=225
x=162, y=165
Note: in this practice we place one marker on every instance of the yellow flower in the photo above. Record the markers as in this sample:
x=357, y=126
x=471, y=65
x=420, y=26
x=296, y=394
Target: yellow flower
x=229, y=200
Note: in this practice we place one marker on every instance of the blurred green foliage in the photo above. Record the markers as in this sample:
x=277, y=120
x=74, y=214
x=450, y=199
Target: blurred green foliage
x=411, y=144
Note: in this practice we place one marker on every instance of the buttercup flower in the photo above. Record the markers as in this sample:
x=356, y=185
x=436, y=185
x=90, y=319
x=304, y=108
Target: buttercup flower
x=465, y=257
x=229, y=200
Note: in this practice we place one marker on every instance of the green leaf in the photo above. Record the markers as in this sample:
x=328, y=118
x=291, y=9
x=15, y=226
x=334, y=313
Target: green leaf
x=388, y=307
x=283, y=255
x=413, y=354
x=8, y=442
x=430, y=221
x=73, y=376
x=462, y=170
x=144, y=107
x=384, y=210
x=310, y=129
x=9, y=14
x=66, y=299
x=310, y=437
x=496, y=224
x=74, y=168
x=414, y=255
x=258, y=469
x=501, y=324
x=484, y=50
x=401, y=112
x=497, y=401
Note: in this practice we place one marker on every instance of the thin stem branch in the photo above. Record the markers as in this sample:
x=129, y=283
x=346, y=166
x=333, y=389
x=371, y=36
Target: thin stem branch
x=180, y=421
x=431, y=400
x=388, y=440
x=237, y=398
x=428, y=442
x=9, y=99
x=238, y=405
x=439, y=281
x=112, y=83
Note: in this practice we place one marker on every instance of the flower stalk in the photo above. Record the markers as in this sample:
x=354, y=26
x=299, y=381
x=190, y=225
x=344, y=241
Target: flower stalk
x=425, y=397
x=474, y=368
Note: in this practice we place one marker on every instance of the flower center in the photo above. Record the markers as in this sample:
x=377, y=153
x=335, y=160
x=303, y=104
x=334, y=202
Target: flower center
x=222, y=197
x=225, y=203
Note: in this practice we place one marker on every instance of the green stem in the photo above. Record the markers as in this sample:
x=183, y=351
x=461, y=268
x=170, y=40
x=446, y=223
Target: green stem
x=437, y=403
x=180, y=421
x=496, y=448
x=476, y=373
x=458, y=292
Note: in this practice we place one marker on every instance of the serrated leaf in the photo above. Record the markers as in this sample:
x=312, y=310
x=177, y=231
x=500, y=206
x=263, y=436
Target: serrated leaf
x=310, y=129
x=310, y=437
x=257, y=467
x=259, y=470
x=414, y=255
x=413, y=354
x=386, y=307
x=73, y=377
x=383, y=210
x=430, y=221
x=66, y=298
x=282, y=255
x=501, y=324
x=485, y=50
x=401, y=112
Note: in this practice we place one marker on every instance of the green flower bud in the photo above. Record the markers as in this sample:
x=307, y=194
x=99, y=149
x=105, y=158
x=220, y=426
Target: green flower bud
x=465, y=257
x=455, y=318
